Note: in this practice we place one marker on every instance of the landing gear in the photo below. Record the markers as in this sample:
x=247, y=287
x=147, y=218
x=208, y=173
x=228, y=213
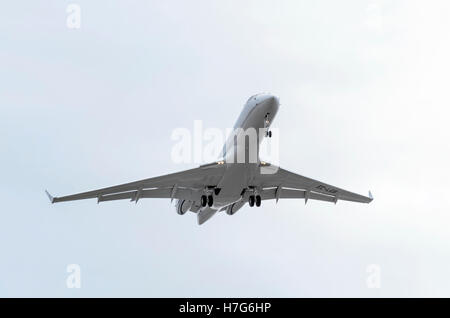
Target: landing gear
x=203, y=200
x=251, y=200
x=258, y=201
x=266, y=125
x=210, y=200
x=254, y=200
x=206, y=200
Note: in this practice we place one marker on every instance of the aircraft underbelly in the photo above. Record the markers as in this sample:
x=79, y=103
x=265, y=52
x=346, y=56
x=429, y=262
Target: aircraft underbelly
x=233, y=182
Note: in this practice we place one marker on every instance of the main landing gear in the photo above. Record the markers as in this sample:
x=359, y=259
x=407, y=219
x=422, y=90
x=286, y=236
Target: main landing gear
x=206, y=200
x=254, y=200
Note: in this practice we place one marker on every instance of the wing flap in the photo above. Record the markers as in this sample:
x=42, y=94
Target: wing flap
x=285, y=193
x=117, y=196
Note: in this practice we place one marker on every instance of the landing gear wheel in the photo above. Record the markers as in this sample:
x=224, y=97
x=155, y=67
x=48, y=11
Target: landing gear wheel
x=258, y=200
x=270, y=134
x=210, y=200
x=251, y=200
x=203, y=200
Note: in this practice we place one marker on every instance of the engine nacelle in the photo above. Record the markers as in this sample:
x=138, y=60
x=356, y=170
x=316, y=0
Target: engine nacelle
x=183, y=206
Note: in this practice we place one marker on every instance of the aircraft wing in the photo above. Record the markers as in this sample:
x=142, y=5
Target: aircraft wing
x=278, y=183
x=179, y=185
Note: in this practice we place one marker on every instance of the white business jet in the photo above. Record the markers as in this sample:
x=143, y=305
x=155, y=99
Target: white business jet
x=240, y=177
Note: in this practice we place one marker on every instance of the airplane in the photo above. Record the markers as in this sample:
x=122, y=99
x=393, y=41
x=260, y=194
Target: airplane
x=229, y=183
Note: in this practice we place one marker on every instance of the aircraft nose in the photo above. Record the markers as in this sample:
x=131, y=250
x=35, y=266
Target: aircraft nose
x=269, y=105
x=275, y=100
x=271, y=101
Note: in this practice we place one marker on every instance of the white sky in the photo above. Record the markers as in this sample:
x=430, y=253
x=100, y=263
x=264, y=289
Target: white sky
x=364, y=105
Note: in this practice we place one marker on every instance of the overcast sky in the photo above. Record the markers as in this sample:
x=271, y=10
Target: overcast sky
x=365, y=104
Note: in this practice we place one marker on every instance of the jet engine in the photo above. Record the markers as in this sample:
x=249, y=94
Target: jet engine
x=183, y=206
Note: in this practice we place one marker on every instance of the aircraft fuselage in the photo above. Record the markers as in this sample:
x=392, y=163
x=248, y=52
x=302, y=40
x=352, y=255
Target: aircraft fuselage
x=241, y=150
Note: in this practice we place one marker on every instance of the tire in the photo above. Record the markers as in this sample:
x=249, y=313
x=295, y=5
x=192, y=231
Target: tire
x=210, y=200
x=251, y=200
x=203, y=200
x=258, y=200
x=270, y=134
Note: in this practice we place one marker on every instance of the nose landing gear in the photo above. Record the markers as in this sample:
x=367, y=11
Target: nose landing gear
x=266, y=125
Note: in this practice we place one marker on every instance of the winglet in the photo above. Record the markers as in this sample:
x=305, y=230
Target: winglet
x=370, y=196
x=52, y=199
